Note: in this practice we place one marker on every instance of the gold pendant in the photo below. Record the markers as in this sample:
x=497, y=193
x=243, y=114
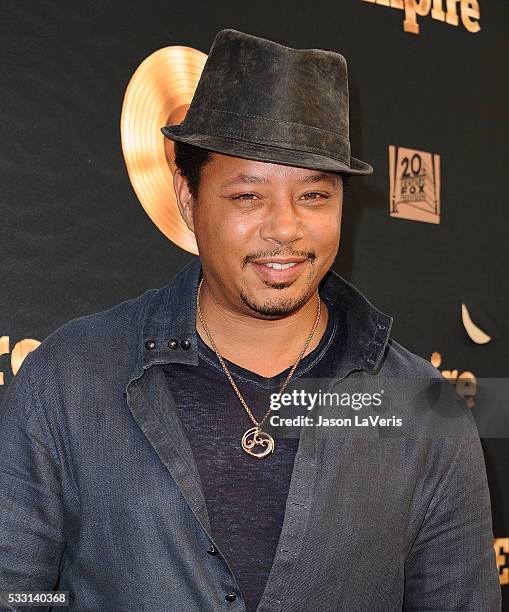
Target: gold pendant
x=254, y=438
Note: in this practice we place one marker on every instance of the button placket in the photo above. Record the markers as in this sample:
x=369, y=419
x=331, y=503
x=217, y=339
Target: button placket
x=296, y=517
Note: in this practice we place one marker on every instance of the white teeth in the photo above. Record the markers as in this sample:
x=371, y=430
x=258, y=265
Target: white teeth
x=279, y=266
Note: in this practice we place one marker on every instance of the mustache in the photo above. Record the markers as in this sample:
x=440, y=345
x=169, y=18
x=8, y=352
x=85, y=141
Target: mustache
x=311, y=255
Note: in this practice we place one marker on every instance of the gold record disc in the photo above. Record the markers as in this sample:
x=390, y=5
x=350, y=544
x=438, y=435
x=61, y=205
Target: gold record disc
x=158, y=94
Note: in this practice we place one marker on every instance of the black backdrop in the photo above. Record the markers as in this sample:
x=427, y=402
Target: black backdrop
x=76, y=240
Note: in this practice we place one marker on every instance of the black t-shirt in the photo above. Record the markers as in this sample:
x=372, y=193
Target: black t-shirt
x=245, y=496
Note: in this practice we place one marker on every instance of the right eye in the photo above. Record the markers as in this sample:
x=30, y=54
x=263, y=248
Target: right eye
x=245, y=196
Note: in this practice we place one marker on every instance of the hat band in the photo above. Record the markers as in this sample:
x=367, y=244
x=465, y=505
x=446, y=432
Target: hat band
x=268, y=131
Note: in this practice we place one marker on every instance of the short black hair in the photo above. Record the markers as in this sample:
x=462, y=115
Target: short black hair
x=190, y=160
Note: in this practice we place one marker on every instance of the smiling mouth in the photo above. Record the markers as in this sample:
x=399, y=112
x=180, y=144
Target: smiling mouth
x=280, y=266
x=278, y=271
x=279, y=261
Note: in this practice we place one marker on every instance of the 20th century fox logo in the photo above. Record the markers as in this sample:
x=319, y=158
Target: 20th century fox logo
x=414, y=179
x=468, y=11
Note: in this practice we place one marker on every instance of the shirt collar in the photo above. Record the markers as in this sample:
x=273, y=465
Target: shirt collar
x=168, y=329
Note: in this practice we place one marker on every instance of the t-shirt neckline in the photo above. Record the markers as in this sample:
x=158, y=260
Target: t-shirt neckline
x=247, y=376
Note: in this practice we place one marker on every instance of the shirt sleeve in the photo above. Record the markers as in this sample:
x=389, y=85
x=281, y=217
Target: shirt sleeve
x=31, y=508
x=451, y=565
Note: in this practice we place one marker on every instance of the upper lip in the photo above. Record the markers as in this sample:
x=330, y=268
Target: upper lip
x=280, y=260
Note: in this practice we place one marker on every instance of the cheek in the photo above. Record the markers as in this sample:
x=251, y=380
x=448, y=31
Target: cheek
x=325, y=231
x=222, y=232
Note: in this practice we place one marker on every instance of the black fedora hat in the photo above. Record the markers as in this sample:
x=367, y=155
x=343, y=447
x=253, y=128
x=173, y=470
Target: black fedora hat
x=264, y=101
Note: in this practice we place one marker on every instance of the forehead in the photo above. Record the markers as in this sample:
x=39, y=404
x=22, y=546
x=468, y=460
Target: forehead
x=228, y=170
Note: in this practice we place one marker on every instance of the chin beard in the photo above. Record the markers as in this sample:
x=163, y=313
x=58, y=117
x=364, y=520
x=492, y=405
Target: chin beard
x=274, y=309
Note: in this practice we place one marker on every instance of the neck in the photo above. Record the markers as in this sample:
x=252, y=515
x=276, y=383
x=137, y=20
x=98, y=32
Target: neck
x=266, y=347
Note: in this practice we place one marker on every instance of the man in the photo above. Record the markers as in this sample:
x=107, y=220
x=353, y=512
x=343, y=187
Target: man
x=139, y=468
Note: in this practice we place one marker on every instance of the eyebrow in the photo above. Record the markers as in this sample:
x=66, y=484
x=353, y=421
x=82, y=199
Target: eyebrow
x=322, y=176
x=254, y=178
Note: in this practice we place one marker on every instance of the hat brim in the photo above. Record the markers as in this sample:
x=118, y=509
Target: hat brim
x=266, y=152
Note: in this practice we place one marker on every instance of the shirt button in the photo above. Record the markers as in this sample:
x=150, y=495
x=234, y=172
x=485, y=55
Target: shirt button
x=230, y=596
x=173, y=343
x=150, y=344
x=212, y=550
x=185, y=344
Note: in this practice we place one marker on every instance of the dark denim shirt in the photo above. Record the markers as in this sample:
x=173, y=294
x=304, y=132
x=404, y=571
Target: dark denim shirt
x=100, y=494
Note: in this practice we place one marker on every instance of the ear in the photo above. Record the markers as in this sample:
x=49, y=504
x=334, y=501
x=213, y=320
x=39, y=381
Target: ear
x=184, y=198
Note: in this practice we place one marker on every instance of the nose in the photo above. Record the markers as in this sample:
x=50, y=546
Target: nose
x=282, y=224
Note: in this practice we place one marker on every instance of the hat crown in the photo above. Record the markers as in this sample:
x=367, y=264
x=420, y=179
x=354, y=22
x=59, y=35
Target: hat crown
x=264, y=101
x=251, y=77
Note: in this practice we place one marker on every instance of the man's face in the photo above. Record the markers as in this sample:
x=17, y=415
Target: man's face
x=266, y=233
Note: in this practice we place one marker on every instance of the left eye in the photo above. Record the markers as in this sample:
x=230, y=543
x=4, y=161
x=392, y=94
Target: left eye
x=312, y=195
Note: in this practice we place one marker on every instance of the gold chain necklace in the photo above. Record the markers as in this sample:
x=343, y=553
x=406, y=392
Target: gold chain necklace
x=255, y=442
